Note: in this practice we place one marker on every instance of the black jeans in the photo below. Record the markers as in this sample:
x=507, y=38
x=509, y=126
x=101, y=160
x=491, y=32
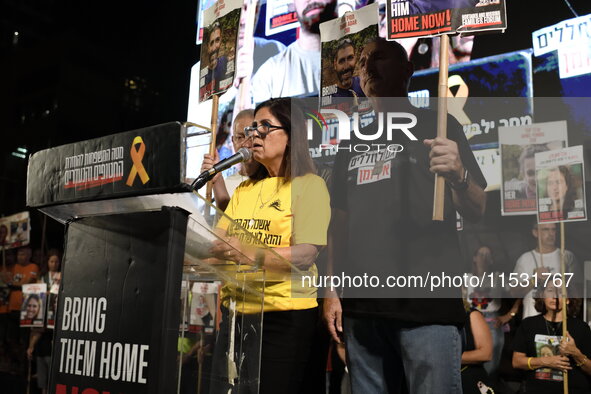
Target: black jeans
x=287, y=339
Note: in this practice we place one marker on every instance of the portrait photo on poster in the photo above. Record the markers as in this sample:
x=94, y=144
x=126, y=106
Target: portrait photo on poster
x=560, y=180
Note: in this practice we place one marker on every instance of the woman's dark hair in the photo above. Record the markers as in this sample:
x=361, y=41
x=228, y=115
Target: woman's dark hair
x=45, y=266
x=572, y=308
x=296, y=160
x=569, y=199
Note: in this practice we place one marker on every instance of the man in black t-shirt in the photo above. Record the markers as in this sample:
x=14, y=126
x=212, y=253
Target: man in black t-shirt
x=382, y=205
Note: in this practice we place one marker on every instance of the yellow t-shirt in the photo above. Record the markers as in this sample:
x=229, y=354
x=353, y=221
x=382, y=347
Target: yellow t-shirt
x=279, y=214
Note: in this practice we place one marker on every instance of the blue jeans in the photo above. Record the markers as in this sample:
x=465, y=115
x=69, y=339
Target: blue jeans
x=381, y=353
x=498, y=337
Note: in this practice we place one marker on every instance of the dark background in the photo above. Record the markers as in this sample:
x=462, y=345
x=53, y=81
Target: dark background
x=79, y=70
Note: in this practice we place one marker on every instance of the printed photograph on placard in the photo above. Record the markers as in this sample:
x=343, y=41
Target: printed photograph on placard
x=33, y=307
x=14, y=230
x=560, y=181
x=218, y=50
x=204, y=306
x=342, y=41
x=548, y=346
x=425, y=18
x=518, y=146
x=52, y=305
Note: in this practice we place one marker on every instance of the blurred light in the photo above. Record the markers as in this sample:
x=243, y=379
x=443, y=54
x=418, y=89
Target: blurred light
x=15, y=38
x=16, y=33
x=19, y=155
x=21, y=150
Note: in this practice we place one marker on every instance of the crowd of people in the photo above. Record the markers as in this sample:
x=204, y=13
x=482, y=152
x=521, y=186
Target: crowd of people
x=25, y=352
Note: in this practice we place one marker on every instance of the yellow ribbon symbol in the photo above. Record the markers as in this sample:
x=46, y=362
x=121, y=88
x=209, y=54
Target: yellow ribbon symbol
x=455, y=103
x=137, y=154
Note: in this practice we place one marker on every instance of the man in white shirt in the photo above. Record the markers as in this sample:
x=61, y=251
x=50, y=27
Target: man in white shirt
x=545, y=258
x=296, y=71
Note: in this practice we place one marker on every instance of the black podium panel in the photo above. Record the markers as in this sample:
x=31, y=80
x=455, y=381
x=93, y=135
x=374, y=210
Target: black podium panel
x=118, y=311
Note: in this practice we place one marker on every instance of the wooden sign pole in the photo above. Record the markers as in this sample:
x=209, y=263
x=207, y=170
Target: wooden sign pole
x=212, y=147
x=439, y=190
x=564, y=295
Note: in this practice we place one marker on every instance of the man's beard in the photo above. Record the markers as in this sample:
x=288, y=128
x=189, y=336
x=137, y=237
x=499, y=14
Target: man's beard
x=213, y=59
x=343, y=72
x=313, y=22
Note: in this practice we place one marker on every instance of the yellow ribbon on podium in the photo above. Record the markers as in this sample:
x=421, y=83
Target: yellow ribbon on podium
x=137, y=154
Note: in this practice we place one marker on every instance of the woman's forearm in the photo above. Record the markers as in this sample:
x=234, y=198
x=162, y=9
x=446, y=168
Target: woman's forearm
x=476, y=356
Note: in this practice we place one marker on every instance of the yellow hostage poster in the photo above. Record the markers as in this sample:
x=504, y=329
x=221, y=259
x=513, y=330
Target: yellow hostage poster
x=427, y=18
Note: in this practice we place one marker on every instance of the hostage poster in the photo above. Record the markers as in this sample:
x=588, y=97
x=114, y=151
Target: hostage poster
x=14, y=230
x=518, y=146
x=218, y=50
x=342, y=41
x=560, y=181
x=33, y=308
x=426, y=18
x=204, y=306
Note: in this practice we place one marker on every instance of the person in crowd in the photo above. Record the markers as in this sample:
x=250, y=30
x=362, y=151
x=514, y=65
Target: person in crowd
x=560, y=189
x=343, y=64
x=292, y=202
x=41, y=339
x=541, y=261
x=300, y=61
x=32, y=307
x=224, y=188
x=392, y=340
x=542, y=350
x=251, y=58
x=52, y=267
x=477, y=349
x=488, y=300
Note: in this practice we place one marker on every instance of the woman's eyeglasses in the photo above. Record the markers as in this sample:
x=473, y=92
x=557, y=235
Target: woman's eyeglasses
x=262, y=129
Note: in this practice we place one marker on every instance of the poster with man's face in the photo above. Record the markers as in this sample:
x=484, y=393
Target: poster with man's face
x=342, y=41
x=560, y=180
x=518, y=146
x=218, y=49
x=33, y=307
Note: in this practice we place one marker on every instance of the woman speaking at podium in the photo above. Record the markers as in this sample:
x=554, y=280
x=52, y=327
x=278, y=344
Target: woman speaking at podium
x=285, y=206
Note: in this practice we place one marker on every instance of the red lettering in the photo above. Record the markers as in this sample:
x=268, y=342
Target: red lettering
x=410, y=23
x=434, y=20
x=63, y=389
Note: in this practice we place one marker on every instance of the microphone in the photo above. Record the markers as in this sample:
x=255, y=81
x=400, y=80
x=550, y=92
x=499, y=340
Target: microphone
x=243, y=154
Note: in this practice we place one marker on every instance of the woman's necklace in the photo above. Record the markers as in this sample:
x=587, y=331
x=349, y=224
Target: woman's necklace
x=263, y=203
x=551, y=328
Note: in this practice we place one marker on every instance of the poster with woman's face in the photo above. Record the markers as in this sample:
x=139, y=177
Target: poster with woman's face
x=33, y=307
x=560, y=183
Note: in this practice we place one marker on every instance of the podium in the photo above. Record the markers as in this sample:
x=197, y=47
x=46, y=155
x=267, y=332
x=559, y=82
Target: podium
x=143, y=306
